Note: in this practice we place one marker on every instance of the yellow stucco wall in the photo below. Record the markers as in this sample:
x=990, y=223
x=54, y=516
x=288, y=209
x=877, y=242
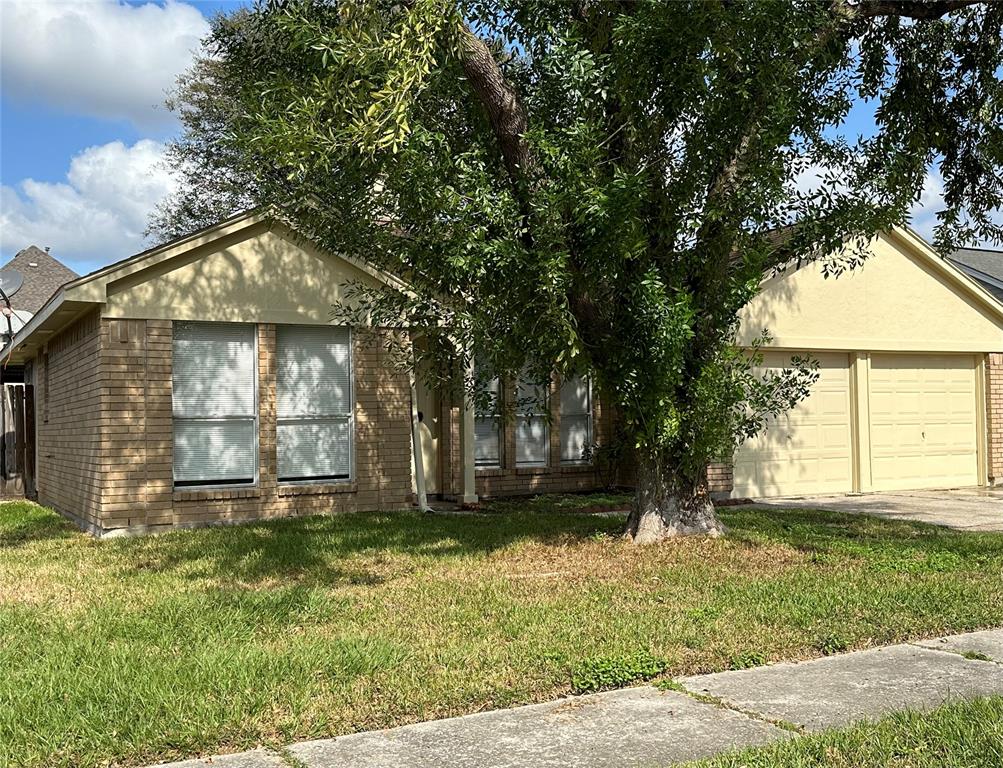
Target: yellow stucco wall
x=259, y=273
x=898, y=300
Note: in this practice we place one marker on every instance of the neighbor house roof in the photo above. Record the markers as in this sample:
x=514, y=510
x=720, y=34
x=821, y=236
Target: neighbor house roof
x=983, y=265
x=43, y=276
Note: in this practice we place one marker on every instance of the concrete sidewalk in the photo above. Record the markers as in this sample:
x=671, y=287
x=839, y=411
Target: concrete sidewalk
x=646, y=727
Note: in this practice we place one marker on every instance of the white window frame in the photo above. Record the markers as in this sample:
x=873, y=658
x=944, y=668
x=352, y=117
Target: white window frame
x=351, y=419
x=591, y=423
x=500, y=424
x=543, y=414
x=211, y=485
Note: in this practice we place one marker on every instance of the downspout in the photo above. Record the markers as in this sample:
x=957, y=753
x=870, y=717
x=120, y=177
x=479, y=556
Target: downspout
x=418, y=462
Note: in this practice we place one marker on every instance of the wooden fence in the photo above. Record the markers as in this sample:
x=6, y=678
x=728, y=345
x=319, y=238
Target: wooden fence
x=17, y=449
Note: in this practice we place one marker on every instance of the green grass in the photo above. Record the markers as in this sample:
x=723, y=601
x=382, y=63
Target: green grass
x=967, y=734
x=137, y=650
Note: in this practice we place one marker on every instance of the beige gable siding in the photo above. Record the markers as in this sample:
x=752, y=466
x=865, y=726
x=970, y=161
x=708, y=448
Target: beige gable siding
x=259, y=274
x=896, y=301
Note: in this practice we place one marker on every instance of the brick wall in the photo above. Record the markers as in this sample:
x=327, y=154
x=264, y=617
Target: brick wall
x=69, y=418
x=994, y=420
x=106, y=453
x=720, y=479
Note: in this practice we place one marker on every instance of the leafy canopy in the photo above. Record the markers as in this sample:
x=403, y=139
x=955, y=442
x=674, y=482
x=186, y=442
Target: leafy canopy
x=600, y=184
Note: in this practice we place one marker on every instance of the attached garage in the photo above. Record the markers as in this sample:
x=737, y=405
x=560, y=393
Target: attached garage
x=903, y=345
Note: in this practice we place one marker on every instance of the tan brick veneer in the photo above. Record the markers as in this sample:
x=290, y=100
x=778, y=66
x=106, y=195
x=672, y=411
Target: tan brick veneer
x=105, y=444
x=69, y=416
x=994, y=420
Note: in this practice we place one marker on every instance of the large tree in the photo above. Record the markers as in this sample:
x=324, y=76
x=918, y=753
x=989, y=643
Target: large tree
x=601, y=185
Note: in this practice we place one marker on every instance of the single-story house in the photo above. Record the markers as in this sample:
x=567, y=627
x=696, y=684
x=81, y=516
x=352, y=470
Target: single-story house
x=202, y=381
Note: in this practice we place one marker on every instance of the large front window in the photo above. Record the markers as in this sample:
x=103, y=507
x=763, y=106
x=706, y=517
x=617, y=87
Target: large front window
x=214, y=404
x=314, y=402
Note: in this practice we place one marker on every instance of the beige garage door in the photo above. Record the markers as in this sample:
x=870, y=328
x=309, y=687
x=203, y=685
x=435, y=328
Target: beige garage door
x=808, y=450
x=923, y=421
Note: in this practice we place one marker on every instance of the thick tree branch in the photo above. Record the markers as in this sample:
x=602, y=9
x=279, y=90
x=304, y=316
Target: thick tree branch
x=500, y=100
x=921, y=10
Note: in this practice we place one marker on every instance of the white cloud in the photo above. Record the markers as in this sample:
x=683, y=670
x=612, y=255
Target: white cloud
x=98, y=214
x=98, y=57
x=923, y=214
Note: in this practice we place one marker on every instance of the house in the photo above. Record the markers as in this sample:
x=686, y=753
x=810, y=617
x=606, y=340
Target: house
x=202, y=381
x=27, y=280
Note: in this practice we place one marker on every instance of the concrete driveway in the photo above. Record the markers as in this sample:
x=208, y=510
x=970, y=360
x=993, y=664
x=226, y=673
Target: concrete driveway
x=966, y=509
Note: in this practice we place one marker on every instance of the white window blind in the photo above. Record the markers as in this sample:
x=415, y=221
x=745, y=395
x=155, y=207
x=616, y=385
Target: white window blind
x=576, y=418
x=214, y=403
x=314, y=408
x=532, y=433
x=487, y=427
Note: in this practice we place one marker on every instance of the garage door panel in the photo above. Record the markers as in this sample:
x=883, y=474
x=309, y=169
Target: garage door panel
x=923, y=421
x=808, y=450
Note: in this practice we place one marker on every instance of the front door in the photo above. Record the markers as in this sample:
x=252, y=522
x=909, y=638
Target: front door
x=429, y=427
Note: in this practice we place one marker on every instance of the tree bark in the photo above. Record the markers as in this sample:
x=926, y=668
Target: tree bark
x=668, y=505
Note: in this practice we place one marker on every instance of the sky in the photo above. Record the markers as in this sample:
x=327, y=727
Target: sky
x=83, y=126
x=82, y=121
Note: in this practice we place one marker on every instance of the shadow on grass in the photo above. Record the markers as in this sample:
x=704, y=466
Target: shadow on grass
x=351, y=548
x=23, y=523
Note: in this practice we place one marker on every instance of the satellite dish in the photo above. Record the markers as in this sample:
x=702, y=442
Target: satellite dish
x=10, y=281
x=18, y=320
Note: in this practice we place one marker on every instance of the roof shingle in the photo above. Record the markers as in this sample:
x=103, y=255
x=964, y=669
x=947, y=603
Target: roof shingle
x=43, y=276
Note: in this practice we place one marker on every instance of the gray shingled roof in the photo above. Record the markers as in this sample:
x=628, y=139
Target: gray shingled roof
x=984, y=266
x=43, y=276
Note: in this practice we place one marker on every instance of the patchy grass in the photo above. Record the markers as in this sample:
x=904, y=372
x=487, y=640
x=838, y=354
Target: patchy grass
x=137, y=650
x=966, y=734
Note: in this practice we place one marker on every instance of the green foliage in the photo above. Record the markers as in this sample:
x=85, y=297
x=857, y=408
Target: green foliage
x=600, y=674
x=747, y=660
x=608, y=189
x=832, y=643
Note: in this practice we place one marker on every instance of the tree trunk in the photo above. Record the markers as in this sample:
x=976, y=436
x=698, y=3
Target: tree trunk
x=669, y=505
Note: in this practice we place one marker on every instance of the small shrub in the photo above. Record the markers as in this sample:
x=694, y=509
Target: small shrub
x=747, y=660
x=605, y=672
x=831, y=644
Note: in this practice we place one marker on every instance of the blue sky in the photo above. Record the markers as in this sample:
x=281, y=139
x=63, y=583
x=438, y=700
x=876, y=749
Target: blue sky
x=82, y=123
x=82, y=126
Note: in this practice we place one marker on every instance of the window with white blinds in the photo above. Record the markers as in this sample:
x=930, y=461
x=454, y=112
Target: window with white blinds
x=532, y=432
x=214, y=404
x=487, y=426
x=314, y=407
x=576, y=419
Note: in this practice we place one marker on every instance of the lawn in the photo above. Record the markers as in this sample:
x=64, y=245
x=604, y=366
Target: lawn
x=136, y=650
x=964, y=734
